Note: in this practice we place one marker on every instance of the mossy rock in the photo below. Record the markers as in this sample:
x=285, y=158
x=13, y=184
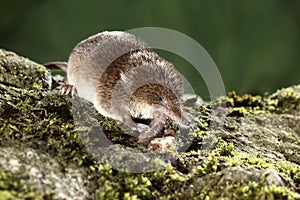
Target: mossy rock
x=243, y=147
x=21, y=72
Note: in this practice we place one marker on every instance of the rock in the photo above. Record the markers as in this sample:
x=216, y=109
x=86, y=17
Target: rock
x=58, y=147
x=44, y=175
x=21, y=72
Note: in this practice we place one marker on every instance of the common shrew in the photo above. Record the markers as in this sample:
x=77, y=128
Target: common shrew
x=125, y=79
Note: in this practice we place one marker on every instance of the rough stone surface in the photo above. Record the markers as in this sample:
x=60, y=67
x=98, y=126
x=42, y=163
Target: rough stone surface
x=242, y=147
x=21, y=72
x=45, y=174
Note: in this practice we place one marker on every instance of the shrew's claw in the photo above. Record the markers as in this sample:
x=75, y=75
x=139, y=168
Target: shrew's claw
x=68, y=90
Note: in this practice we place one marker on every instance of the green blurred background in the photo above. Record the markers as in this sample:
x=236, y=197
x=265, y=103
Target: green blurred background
x=255, y=44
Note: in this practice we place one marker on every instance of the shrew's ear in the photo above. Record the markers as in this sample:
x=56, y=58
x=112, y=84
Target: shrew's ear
x=57, y=65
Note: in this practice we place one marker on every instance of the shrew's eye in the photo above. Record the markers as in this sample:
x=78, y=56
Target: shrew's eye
x=159, y=98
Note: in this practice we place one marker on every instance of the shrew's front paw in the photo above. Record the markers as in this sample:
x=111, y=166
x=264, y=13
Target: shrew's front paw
x=144, y=139
x=146, y=136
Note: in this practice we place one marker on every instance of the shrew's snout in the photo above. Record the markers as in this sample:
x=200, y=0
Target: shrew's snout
x=178, y=116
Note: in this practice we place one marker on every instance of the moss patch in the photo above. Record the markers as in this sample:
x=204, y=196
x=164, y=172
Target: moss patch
x=21, y=72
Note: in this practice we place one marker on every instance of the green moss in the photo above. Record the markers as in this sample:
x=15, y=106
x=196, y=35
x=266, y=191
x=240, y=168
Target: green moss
x=282, y=101
x=271, y=104
x=225, y=149
x=126, y=185
x=47, y=123
x=241, y=158
x=287, y=99
x=247, y=100
x=128, y=196
x=138, y=186
x=275, y=191
x=252, y=191
x=199, y=133
x=225, y=152
x=37, y=86
x=107, y=190
x=20, y=72
x=63, y=141
x=210, y=165
x=42, y=70
x=12, y=188
x=240, y=112
x=234, y=191
x=285, y=168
